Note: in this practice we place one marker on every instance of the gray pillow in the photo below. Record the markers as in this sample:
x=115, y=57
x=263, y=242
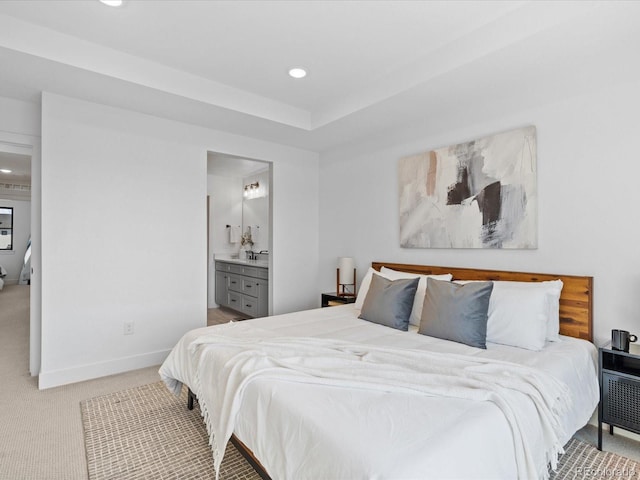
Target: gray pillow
x=456, y=312
x=389, y=302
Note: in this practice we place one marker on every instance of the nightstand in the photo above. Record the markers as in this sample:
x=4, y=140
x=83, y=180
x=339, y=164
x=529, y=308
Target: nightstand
x=619, y=389
x=332, y=299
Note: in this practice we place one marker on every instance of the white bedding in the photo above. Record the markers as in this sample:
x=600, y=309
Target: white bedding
x=319, y=431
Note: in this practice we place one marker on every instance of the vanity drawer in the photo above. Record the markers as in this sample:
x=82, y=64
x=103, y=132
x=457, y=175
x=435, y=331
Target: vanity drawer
x=256, y=272
x=263, y=273
x=235, y=283
x=250, y=286
x=250, y=271
x=229, y=267
x=249, y=305
x=233, y=268
x=223, y=267
x=234, y=300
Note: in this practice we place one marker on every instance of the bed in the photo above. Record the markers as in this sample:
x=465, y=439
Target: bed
x=292, y=391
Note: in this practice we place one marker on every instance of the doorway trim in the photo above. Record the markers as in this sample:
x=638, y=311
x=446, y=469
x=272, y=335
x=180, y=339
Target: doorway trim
x=239, y=173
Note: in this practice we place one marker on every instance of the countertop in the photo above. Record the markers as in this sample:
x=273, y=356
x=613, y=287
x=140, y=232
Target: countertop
x=253, y=263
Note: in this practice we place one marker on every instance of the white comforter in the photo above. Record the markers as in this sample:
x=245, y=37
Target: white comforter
x=305, y=424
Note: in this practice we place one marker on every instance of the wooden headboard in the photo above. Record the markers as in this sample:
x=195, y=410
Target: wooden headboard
x=576, y=299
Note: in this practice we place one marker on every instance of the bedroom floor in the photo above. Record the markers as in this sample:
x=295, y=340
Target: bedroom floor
x=41, y=434
x=616, y=443
x=216, y=316
x=41, y=431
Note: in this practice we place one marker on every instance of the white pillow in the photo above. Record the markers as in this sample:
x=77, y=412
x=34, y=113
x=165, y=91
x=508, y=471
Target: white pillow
x=517, y=316
x=418, y=301
x=524, y=314
x=364, y=288
x=554, y=289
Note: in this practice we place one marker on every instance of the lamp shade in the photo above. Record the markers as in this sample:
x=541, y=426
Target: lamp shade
x=346, y=265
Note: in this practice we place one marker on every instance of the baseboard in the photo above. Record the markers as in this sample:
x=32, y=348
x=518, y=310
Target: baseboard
x=56, y=378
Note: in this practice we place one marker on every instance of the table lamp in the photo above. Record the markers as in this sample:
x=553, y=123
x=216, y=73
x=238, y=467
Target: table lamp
x=346, y=277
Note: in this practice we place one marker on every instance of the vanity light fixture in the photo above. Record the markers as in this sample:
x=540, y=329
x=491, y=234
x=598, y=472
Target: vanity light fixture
x=251, y=190
x=112, y=3
x=5, y=170
x=297, y=72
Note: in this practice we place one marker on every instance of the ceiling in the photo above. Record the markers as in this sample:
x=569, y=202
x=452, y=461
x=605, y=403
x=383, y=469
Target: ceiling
x=17, y=184
x=20, y=166
x=223, y=165
x=373, y=65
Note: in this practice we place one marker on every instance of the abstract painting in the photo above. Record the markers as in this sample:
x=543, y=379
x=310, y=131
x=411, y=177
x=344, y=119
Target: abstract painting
x=478, y=194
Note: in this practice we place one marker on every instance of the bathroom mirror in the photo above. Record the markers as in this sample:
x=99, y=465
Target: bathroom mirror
x=256, y=209
x=6, y=228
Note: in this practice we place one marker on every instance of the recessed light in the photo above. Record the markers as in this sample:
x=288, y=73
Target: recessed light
x=5, y=170
x=112, y=3
x=298, y=72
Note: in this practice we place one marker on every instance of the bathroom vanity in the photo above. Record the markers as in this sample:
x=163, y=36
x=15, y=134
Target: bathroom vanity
x=243, y=285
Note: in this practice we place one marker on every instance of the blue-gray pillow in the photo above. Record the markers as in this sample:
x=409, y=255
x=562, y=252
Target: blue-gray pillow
x=389, y=302
x=456, y=312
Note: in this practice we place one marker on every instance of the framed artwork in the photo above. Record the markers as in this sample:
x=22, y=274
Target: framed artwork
x=478, y=194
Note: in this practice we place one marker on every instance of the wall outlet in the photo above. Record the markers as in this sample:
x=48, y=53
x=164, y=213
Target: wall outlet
x=128, y=328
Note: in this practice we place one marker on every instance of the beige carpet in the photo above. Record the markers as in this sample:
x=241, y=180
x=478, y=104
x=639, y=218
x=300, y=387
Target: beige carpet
x=41, y=436
x=146, y=432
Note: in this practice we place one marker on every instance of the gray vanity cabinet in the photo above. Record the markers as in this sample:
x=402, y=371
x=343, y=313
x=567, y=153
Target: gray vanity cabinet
x=244, y=288
x=222, y=285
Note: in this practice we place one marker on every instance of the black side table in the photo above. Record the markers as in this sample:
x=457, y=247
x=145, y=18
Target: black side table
x=619, y=389
x=332, y=299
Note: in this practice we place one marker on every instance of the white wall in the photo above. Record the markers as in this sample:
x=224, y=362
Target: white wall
x=124, y=240
x=225, y=209
x=588, y=218
x=12, y=260
x=19, y=117
x=119, y=176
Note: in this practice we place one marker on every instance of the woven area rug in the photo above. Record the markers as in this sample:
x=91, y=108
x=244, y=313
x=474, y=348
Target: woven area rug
x=148, y=433
x=582, y=460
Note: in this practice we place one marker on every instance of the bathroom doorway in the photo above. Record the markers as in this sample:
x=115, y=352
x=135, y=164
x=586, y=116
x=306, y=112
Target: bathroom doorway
x=240, y=194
